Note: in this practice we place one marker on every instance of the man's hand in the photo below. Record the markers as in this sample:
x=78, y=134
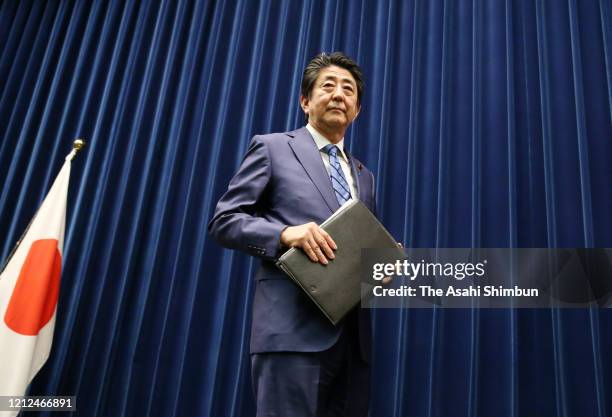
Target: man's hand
x=314, y=241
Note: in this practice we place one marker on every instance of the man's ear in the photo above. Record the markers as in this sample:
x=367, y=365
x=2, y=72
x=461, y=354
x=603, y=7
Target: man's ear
x=304, y=102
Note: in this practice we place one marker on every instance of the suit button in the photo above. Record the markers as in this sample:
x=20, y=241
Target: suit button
x=313, y=288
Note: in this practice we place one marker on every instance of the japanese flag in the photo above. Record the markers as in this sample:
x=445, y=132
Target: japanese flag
x=29, y=288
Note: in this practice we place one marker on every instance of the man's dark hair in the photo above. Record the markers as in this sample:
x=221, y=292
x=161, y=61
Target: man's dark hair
x=321, y=61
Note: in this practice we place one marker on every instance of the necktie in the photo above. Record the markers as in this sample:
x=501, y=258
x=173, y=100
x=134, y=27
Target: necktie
x=339, y=183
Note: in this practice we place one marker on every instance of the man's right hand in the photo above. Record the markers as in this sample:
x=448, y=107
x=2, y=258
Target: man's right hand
x=314, y=241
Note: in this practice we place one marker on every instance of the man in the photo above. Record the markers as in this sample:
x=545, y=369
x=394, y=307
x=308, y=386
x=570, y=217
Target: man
x=287, y=185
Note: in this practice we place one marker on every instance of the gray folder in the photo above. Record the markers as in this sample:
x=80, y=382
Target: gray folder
x=336, y=287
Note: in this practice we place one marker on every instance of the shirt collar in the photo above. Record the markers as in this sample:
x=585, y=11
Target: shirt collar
x=322, y=141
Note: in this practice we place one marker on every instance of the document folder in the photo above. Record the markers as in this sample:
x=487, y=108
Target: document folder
x=336, y=287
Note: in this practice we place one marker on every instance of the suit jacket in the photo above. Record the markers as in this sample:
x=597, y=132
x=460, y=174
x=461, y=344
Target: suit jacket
x=283, y=182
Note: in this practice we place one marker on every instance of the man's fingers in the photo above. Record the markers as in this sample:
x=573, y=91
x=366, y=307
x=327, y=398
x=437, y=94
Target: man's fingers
x=329, y=240
x=314, y=241
x=327, y=251
x=322, y=243
x=318, y=251
x=310, y=252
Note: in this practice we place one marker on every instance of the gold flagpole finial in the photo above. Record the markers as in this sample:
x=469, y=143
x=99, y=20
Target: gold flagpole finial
x=77, y=145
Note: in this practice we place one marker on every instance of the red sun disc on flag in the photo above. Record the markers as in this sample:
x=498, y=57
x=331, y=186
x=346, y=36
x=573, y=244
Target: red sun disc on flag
x=34, y=298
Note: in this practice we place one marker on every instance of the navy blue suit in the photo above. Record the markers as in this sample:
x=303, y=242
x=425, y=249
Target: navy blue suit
x=282, y=182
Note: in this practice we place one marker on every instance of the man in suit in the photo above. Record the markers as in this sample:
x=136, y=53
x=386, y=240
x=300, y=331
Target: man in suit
x=288, y=184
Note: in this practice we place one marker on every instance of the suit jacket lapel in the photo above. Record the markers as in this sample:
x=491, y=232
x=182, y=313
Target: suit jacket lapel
x=356, y=172
x=305, y=149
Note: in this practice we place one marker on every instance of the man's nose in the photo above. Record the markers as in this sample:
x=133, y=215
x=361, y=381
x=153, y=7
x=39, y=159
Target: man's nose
x=338, y=93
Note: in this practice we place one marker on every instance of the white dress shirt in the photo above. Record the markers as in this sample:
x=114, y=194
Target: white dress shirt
x=321, y=142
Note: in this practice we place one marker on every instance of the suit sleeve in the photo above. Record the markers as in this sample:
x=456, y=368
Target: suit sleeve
x=236, y=223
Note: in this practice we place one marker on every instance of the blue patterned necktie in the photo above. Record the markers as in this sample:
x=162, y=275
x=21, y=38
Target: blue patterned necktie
x=339, y=183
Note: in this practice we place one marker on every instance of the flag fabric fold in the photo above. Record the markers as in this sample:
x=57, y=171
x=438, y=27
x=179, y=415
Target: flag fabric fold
x=29, y=289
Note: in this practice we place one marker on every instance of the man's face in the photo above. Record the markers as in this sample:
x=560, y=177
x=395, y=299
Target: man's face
x=332, y=104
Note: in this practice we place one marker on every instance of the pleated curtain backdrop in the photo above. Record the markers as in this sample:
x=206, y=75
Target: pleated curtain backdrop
x=488, y=123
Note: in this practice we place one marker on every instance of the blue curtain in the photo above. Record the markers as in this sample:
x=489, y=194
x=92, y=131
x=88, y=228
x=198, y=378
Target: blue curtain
x=487, y=123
